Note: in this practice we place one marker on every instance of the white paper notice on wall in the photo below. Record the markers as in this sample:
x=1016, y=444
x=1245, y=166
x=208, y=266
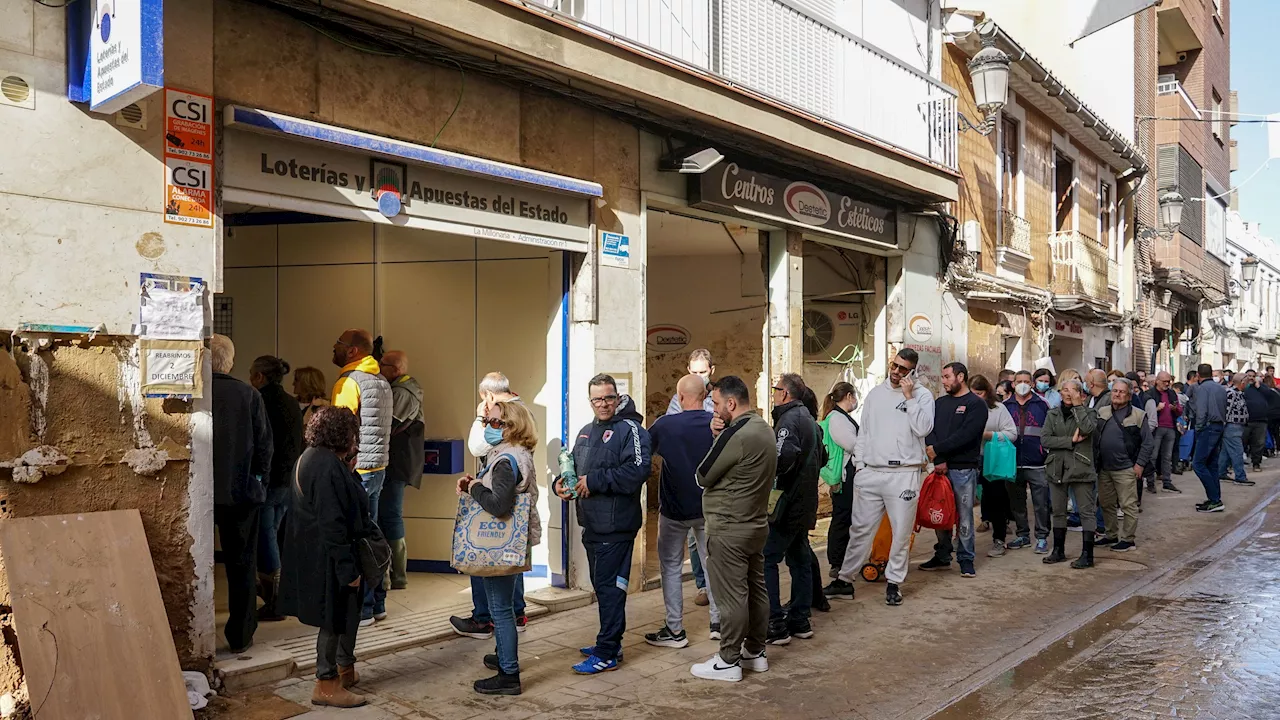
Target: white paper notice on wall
x=615, y=250
x=171, y=307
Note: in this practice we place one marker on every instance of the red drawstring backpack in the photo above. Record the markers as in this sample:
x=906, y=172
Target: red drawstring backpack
x=937, y=506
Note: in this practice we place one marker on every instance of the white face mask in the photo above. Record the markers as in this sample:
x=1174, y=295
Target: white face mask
x=1022, y=389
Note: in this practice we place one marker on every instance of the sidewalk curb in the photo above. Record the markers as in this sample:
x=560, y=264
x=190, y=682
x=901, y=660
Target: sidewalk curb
x=1173, y=574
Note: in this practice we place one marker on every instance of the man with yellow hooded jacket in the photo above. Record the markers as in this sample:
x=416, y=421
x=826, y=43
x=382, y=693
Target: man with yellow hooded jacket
x=362, y=390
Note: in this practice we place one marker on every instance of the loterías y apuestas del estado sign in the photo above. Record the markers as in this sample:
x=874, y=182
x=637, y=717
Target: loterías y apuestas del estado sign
x=792, y=202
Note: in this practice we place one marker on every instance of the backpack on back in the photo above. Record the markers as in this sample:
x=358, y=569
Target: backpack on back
x=936, y=508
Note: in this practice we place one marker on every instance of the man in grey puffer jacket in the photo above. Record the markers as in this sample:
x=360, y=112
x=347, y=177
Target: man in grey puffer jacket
x=363, y=391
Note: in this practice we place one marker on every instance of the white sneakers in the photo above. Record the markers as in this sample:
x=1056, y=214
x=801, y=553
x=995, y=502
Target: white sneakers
x=758, y=663
x=717, y=669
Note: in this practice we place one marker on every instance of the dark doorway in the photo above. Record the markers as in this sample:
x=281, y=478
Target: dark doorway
x=1064, y=175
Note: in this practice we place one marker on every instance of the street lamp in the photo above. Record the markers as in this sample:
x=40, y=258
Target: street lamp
x=1171, y=204
x=989, y=70
x=1249, y=271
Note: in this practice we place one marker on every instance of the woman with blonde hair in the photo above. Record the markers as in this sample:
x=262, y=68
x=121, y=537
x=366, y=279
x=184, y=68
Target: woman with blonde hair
x=508, y=472
x=311, y=391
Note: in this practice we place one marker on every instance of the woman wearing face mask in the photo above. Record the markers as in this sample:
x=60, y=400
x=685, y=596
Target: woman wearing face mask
x=1043, y=381
x=837, y=409
x=995, y=494
x=1004, y=390
x=508, y=473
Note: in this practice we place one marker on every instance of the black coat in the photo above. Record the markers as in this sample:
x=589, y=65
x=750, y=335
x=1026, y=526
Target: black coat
x=329, y=512
x=242, y=445
x=798, y=468
x=285, y=418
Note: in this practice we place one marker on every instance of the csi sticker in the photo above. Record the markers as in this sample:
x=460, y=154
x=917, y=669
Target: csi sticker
x=667, y=338
x=920, y=327
x=188, y=192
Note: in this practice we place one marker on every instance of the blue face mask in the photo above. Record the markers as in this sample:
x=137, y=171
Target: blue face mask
x=493, y=436
x=1042, y=386
x=1111, y=384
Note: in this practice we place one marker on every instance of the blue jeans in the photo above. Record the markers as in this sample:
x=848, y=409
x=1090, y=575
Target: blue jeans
x=273, y=511
x=1232, y=452
x=391, y=509
x=699, y=576
x=1207, y=452
x=375, y=594
x=480, y=598
x=963, y=483
x=500, y=590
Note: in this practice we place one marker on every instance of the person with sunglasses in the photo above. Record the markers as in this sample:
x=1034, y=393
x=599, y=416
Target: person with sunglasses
x=889, y=457
x=611, y=456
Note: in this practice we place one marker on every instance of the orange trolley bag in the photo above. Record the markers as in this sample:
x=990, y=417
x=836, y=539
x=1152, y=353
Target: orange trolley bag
x=873, y=570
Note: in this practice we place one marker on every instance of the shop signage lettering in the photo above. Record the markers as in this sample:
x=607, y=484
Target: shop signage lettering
x=115, y=52
x=667, y=338
x=737, y=189
x=505, y=204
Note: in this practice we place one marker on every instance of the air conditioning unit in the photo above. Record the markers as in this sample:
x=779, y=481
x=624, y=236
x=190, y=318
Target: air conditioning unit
x=829, y=328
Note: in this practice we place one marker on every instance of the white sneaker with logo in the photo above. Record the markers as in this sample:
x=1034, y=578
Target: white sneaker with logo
x=754, y=663
x=717, y=669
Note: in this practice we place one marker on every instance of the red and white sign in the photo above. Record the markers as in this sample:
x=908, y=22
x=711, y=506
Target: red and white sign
x=1068, y=328
x=188, y=158
x=807, y=203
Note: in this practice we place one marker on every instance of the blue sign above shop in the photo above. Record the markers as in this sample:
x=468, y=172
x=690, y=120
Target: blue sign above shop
x=115, y=52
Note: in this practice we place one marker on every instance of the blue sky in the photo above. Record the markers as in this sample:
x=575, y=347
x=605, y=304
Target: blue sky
x=1253, y=74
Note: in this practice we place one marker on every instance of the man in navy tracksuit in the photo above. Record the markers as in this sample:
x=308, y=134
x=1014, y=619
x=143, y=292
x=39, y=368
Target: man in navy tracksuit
x=611, y=457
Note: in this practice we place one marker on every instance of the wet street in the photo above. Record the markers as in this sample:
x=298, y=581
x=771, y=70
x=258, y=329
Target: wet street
x=1206, y=647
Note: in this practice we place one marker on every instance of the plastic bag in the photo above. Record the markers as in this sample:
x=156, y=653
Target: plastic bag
x=999, y=459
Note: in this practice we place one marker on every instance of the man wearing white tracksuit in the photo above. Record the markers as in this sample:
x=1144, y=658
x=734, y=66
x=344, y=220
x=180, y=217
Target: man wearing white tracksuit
x=889, y=457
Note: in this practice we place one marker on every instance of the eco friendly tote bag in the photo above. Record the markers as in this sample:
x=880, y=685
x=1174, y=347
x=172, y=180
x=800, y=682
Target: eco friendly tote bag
x=485, y=545
x=999, y=459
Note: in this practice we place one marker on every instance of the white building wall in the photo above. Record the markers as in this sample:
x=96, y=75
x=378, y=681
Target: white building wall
x=1094, y=68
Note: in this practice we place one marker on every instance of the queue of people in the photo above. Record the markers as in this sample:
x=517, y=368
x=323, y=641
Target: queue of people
x=299, y=481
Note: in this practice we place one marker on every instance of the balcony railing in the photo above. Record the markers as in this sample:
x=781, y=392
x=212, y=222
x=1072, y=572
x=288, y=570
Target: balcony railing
x=1173, y=87
x=771, y=49
x=1080, y=266
x=1016, y=233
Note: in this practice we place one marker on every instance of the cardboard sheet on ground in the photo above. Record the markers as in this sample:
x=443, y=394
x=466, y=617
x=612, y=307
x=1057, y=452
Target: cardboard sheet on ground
x=92, y=630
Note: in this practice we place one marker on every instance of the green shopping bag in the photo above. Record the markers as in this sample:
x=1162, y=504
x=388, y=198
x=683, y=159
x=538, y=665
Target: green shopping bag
x=999, y=459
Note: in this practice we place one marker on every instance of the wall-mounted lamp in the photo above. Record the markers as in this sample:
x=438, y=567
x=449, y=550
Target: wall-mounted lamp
x=690, y=160
x=1171, y=204
x=1249, y=271
x=1166, y=296
x=989, y=70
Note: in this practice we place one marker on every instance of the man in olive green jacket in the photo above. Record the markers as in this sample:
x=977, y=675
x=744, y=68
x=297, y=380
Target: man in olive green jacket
x=1068, y=437
x=736, y=477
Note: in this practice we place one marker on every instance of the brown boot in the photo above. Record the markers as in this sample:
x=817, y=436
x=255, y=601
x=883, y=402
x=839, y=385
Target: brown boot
x=348, y=675
x=331, y=693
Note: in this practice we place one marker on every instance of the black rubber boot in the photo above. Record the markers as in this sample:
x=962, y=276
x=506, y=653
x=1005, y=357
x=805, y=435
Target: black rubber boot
x=1059, y=552
x=1086, y=556
x=270, y=594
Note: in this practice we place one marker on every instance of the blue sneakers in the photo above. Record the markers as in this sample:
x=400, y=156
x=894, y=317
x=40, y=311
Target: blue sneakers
x=594, y=665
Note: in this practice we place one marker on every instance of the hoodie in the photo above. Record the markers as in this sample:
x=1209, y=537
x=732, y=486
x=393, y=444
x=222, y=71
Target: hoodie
x=894, y=428
x=1029, y=421
x=613, y=455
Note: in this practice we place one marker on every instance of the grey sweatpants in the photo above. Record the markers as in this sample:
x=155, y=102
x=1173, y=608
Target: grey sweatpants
x=671, y=547
x=735, y=572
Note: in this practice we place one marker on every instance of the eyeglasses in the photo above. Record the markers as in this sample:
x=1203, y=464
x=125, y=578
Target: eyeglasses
x=605, y=400
x=494, y=423
x=778, y=389
x=901, y=368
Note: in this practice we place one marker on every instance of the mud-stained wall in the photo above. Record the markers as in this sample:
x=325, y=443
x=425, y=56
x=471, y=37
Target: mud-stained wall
x=86, y=410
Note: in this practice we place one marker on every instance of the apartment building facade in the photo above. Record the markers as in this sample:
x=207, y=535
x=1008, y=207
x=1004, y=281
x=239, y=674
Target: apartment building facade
x=1193, y=158
x=1047, y=191
x=561, y=190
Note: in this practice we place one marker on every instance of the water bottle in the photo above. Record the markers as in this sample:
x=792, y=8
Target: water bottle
x=568, y=473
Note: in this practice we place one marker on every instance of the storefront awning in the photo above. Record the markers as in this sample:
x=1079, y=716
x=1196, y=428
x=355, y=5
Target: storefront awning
x=285, y=163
